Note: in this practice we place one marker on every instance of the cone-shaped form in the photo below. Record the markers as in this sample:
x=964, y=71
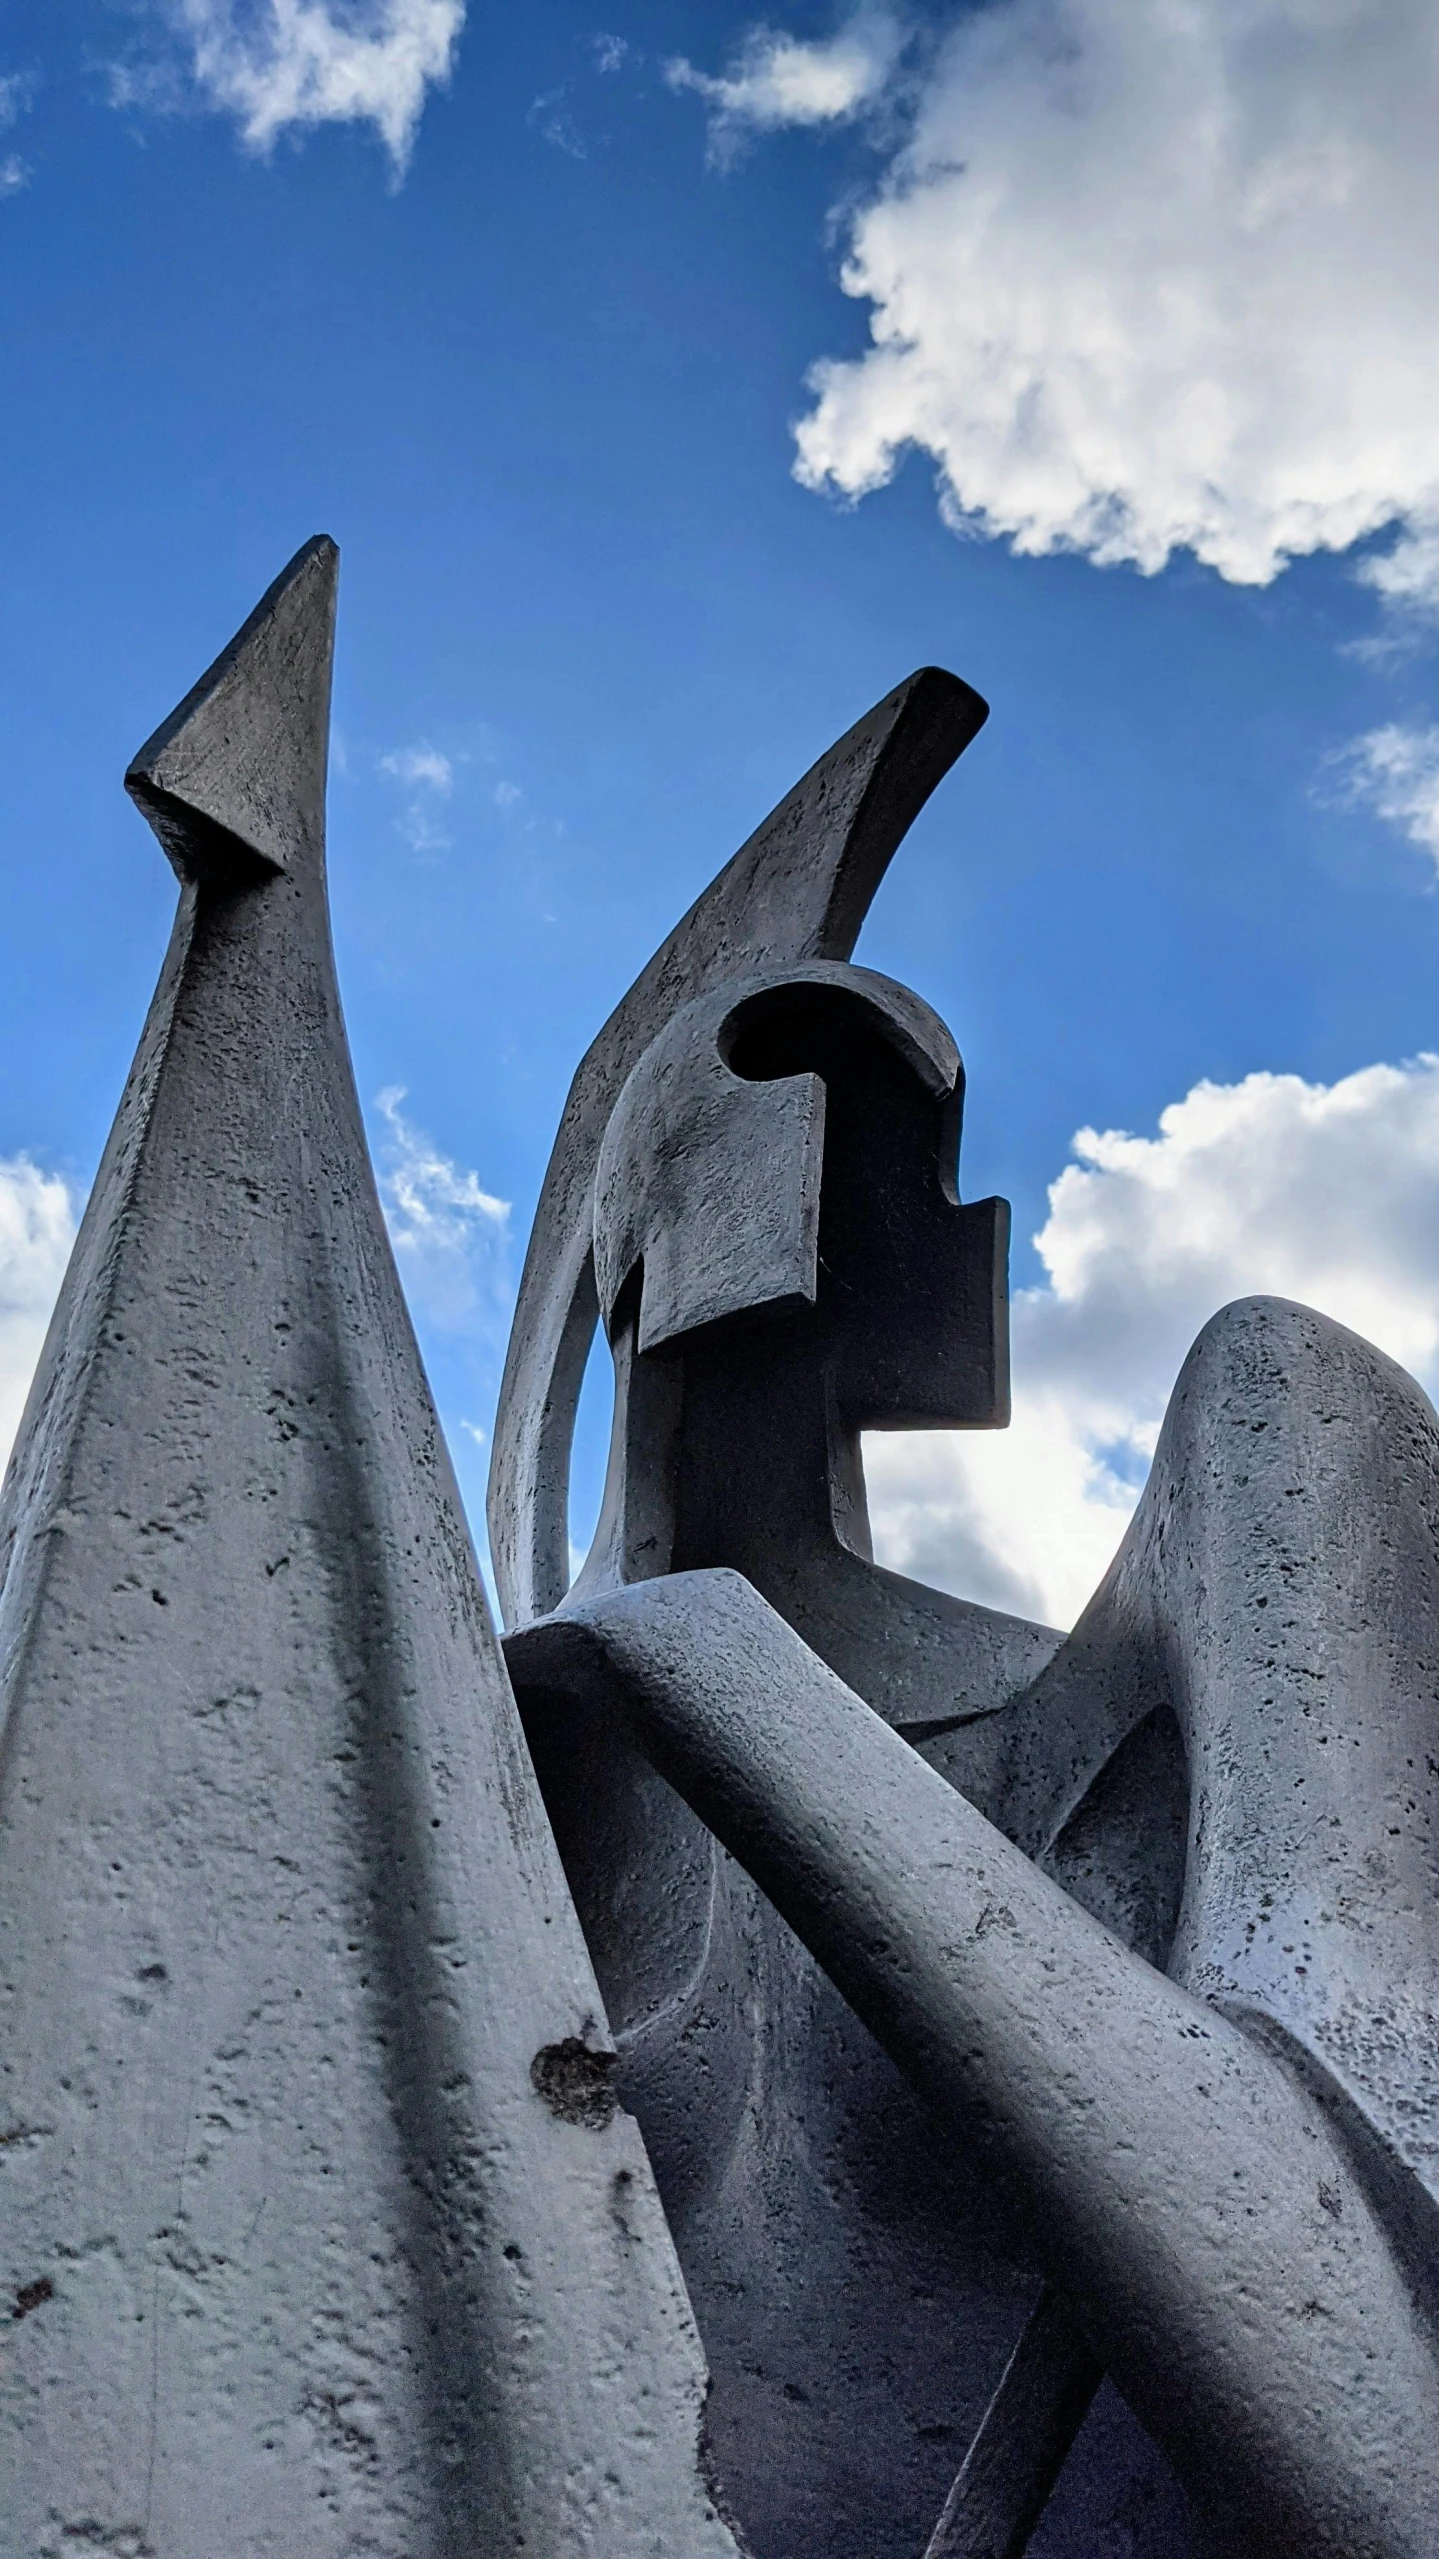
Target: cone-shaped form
x=234, y=781
x=798, y=890
x=321, y=2232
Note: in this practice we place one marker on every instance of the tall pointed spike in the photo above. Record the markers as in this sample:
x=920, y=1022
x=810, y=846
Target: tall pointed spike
x=803, y=883
x=327, y=2230
x=798, y=889
x=233, y=782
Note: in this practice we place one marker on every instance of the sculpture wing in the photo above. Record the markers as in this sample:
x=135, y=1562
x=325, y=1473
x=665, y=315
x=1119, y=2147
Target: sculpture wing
x=798, y=890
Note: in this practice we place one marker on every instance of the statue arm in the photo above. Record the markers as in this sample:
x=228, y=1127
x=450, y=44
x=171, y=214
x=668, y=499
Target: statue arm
x=1183, y=2188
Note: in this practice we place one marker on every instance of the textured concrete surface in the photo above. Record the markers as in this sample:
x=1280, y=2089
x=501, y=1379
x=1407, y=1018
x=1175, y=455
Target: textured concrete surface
x=1230, y=2264
x=797, y=891
x=1233, y=1764
x=859, y=2286
x=322, y=2232
x=1230, y=1766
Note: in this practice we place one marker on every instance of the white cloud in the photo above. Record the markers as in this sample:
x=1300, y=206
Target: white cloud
x=420, y=764
x=610, y=52
x=1325, y=1193
x=1395, y=771
x=15, y=92
x=37, y=1229
x=287, y=65
x=450, y=1235
x=16, y=89
x=553, y=119
x=1159, y=273
x=777, y=80
x=1407, y=576
x=429, y=777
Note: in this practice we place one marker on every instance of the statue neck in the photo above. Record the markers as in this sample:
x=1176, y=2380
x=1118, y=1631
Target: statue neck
x=730, y=1453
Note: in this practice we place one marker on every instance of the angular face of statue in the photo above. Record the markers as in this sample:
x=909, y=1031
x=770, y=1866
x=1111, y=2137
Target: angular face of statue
x=786, y=1151
x=910, y=1299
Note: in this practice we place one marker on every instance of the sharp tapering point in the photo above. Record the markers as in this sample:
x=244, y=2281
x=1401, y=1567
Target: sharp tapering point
x=233, y=782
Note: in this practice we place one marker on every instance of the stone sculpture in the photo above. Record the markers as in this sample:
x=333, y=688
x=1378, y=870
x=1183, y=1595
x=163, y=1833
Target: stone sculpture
x=1210, y=2122
x=954, y=2013
x=322, y=2231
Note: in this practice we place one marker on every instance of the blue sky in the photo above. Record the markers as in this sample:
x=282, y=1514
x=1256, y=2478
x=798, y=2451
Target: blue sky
x=523, y=306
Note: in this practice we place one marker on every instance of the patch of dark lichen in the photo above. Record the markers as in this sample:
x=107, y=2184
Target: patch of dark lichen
x=575, y=2082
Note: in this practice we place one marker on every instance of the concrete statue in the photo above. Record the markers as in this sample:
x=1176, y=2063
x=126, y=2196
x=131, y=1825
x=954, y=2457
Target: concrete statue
x=322, y=2229
x=783, y=2060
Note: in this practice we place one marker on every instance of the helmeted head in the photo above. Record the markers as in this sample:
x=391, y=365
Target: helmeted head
x=787, y=1147
x=793, y=896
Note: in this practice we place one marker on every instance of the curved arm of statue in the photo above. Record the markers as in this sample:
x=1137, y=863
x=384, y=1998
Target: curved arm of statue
x=1187, y=2191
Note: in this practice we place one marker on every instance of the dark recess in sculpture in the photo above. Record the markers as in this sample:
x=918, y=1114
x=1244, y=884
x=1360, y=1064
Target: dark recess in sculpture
x=857, y=2074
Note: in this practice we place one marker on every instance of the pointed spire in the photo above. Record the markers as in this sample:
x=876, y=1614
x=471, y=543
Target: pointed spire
x=322, y=2228
x=233, y=782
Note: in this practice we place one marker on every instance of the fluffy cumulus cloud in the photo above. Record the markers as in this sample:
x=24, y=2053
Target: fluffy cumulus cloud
x=451, y=1236
x=286, y=65
x=1146, y=275
x=1325, y=1193
x=776, y=79
x=37, y=1229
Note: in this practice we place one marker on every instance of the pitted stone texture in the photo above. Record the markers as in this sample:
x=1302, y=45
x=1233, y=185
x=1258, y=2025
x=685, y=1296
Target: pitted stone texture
x=797, y=891
x=1232, y=2265
x=313, y=2264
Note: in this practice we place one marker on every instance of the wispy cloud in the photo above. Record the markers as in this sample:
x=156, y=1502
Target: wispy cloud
x=16, y=90
x=434, y=779
x=563, y=116
x=1407, y=575
x=451, y=1235
x=1325, y=1193
x=776, y=80
x=428, y=777
x=1394, y=771
x=37, y=1229
x=282, y=66
x=420, y=764
x=553, y=118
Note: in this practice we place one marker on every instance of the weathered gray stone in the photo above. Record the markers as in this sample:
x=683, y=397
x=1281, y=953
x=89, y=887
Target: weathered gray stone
x=322, y=2232
x=1232, y=1766
x=798, y=890
x=1231, y=2264
x=1000, y=2011
x=737, y=1443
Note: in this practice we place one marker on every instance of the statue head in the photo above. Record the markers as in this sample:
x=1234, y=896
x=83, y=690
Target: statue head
x=785, y=1151
x=772, y=1050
